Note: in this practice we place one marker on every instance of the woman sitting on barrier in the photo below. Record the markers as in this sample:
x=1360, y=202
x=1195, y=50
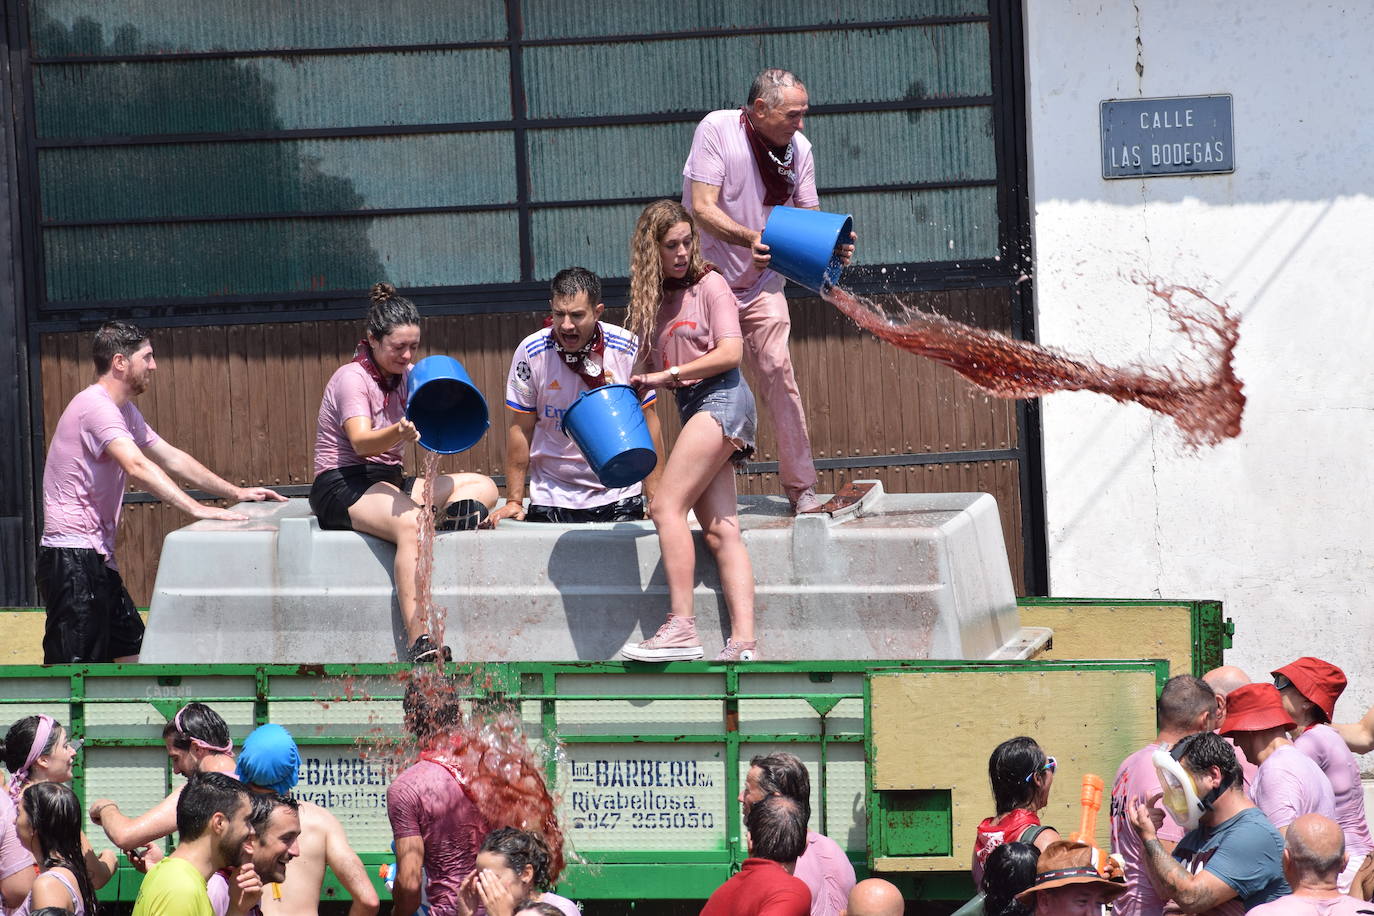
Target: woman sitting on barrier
x=359, y=446
x=683, y=311
x=197, y=741
x=1021, y=776
x=50, y=826
x=36, y=751
x=512, y=871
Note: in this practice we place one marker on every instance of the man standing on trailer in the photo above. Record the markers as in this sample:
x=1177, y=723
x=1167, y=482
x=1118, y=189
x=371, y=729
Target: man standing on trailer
x=744, y=162
x=100, y=442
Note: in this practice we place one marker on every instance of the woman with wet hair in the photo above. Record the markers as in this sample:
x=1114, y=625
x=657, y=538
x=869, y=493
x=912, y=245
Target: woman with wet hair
x=37, y=751
x=50, y=827
x=359, y=449
x=513, y=872
x=1021, y=775
x=197, y=741
x=684, y=311
x=1009, y=870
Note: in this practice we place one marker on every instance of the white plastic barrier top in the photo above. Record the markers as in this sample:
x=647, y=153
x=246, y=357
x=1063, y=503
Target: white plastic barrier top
x=900, y=576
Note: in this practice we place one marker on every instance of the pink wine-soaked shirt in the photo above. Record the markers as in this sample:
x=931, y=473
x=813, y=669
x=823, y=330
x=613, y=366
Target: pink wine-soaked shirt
x=721, y=156
x=1293, y=905
x=1289, y=785
x=351, y=392
x=1137, y=778
x=83, y=485
x=427, y=801
x=692, y=321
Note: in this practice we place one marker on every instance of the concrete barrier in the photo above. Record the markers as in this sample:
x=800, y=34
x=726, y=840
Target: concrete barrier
x=899, y=576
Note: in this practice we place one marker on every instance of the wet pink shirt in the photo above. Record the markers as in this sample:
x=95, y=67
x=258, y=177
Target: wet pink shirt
x=1289, y=785
x=1293, y=905
x=83, y=487
x=540, y=382
x=1137, y=778
x=13, y=856
x=692, y=321
x=721, y=156
x=427, y=801
x=827, y=871
x=1323, y=745
x=351, y=392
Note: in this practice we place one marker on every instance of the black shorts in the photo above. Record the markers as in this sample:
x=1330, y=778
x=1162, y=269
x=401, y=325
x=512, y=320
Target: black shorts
x=338, y=488
x=91, y=617
x=629, y=509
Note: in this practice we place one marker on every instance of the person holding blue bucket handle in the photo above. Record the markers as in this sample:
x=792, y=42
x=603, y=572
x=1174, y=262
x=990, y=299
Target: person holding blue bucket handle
x=360, y=443
x=742, y=164
x=684, y=311
x=551, y=368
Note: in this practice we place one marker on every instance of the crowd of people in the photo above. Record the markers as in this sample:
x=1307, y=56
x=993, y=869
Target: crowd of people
x=703, y=302
x=1249, y=798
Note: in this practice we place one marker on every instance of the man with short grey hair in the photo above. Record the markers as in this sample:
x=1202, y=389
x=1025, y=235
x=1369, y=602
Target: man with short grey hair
x=1313, y=857
x=742, y=164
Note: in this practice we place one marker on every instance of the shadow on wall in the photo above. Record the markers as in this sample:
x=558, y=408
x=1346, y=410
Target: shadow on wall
x=171, y=259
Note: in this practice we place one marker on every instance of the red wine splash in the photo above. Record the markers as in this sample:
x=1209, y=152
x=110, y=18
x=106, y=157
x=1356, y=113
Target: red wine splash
x=1206, y=404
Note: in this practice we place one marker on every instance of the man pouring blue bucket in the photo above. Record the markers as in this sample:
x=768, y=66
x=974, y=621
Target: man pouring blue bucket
x=580, y=440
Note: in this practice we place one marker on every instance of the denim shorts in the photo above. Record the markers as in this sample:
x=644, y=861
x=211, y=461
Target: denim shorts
x=727, y=398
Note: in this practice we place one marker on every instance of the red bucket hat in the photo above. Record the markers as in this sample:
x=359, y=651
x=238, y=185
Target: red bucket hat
x=1254, y=708
x=1319, y=681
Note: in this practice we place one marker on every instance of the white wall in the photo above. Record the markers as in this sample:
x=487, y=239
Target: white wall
x=1278, y=523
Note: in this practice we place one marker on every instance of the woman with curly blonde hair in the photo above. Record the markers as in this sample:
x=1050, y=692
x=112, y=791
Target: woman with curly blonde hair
x=683, y=311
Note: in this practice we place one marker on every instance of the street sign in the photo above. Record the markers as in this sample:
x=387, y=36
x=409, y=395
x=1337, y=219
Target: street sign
x=1183, y=135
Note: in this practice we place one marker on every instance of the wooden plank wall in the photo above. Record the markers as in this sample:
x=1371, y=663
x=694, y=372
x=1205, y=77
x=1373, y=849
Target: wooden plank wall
x=244, y=399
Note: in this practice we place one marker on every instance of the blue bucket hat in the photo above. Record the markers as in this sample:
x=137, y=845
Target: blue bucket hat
x=269, y=758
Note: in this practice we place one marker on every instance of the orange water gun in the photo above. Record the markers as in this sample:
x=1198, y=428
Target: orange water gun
x=1091, y=800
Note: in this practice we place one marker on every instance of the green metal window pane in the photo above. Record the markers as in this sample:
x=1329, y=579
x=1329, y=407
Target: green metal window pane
x=575, y=18
x=619, y=160
x=640, y=717
x=159, y=260
x=898, y=147
x=351, y=787
x=141, y=720
x=913, y=226
x=918, y=822
x=863, y=65
x=597, y=238
x=62, y=28
x=281, y=176
x=135, y=776
x=846, y=785
x=271, y=93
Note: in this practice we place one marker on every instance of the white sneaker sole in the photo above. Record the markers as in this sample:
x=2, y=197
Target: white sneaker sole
x=636, y=652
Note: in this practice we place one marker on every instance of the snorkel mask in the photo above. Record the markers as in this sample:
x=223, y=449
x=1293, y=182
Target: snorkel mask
x=1180, y=797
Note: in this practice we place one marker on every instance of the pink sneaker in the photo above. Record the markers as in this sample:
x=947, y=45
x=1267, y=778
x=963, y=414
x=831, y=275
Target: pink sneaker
x=805, y=502
x=739, y=651
x=675, y=641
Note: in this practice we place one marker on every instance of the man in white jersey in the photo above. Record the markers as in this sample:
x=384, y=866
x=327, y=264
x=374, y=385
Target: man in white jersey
x=550, y=369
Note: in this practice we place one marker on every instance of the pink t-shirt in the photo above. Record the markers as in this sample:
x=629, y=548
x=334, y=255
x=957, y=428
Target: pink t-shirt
x=83, y=487
x=692, y=321
x=1293, y=905
x=721, y=156
x=1323, y=745
x=827, y=871
x=1137, y=778
x=1289, y=785
x=540, y=382
x=351, y=392
x=13, y=856
x=427, y=801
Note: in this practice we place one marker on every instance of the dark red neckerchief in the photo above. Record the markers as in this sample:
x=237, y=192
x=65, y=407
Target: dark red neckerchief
x=775, y=164
x=673, y=284
x=363, y=357
x=589, y=362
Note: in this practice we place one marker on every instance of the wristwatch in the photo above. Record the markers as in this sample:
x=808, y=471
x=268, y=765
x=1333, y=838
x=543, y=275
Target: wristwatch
x=673, y=371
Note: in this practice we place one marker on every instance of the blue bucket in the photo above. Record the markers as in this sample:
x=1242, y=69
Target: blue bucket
x=802, y=244
x=445, y=405
x=608, y=425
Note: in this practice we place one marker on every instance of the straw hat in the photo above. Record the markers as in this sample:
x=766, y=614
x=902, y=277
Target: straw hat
x=1064, y=863
x=1317, y=680
x=1255, y=708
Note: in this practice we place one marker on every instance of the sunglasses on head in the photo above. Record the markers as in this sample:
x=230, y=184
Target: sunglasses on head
x=1048, y=766
x=1281, y=682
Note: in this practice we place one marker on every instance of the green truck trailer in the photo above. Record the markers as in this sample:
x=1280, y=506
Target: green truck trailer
x=653, y=755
